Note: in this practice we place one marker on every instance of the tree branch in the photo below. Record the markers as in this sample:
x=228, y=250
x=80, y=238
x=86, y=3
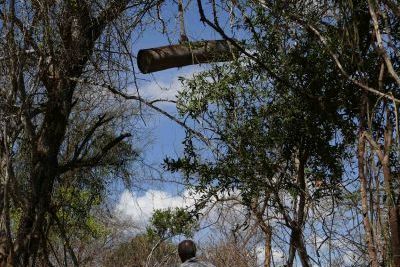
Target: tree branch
x=148, y=103
x=334, y=56
x=381, y=49
x=90, y=162
x=101, y=121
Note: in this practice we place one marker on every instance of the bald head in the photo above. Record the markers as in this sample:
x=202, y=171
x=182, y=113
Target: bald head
x=186, y=250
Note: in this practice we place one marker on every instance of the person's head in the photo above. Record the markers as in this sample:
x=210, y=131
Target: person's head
x=186, y=250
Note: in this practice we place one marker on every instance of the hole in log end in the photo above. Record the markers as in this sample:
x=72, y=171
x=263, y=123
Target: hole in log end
x=190, y=53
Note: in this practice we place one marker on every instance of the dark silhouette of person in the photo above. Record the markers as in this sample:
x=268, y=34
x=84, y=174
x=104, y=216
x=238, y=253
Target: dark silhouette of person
x=187, y=253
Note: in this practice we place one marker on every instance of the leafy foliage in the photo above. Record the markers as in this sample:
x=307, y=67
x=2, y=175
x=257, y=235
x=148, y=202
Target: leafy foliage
x=282, y=123
x=136, y=253
x=168, y=223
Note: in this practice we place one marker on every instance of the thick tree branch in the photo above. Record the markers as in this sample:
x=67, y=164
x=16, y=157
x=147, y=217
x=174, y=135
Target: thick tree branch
x=94, y=160
x=376, y=147
x=66, y=239
x=381, y=48
x=150, y=104
x=393, y=6
x=101, y=121
x=333, y=55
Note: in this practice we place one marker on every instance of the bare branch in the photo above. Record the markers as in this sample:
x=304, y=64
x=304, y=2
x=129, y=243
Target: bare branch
x=381, y=49
x=150, y=104
x=101, y=121
x=93, y=161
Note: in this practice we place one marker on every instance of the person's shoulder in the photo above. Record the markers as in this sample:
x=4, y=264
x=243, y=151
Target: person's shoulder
x=204, y=264
x=197, y=264
x=207, y=264
x=189, y=264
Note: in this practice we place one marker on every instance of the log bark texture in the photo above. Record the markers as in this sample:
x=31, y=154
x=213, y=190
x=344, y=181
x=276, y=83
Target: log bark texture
x=190, y=53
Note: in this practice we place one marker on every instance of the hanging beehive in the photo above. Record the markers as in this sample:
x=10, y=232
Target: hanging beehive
x=185, y=53
x=189, y=53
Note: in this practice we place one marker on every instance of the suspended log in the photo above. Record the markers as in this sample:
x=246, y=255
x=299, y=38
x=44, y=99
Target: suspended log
x=190, y=53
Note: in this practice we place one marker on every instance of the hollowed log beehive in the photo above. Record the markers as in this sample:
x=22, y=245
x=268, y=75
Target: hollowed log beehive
x=190, y=53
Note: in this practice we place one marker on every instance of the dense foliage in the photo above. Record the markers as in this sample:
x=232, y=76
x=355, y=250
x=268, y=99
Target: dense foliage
x=301, y=130
x=315, y=89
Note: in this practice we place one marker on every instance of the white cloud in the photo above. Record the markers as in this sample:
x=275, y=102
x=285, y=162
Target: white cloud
x=162, y=90
x=277, y=255
x=260, y=252
x=166, y=88
x=140, y=208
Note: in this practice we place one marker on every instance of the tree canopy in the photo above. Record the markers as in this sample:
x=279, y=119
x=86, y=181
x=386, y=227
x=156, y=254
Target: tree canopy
x=300, y=128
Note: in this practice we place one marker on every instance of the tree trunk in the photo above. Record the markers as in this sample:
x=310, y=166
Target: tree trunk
x=364, y=204
x=268, y=247
x=301, y=248
x=394, y=224
x=363, y=188
x=44, y=164
x=394, y=216
x=296, y=239
x=78, y=28
x=292, y=248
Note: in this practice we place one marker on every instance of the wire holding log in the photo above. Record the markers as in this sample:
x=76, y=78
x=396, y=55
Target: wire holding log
x=185, y=53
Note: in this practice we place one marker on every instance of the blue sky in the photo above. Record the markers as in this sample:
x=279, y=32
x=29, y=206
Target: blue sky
x=164, y=136
x=167, y=135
